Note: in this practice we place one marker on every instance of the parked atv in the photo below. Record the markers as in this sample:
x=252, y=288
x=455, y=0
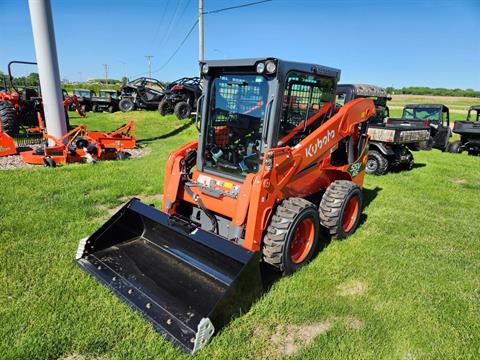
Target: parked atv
x=437, y=116
x=469, y=131
x=141, y=93
x=107, y=100
x=84, y=98
x=181, y=97
x=390, y=143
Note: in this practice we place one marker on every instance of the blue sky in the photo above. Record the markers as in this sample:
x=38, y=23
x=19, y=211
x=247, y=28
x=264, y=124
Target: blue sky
x=399, y=43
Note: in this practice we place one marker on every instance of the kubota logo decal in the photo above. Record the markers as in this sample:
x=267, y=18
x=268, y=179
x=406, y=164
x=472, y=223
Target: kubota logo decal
x=312, y=149
x=5, y=148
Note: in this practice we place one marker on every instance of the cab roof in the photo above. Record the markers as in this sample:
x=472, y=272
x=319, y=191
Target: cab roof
x=365, y=90
x=283, y=66
x=427, y=106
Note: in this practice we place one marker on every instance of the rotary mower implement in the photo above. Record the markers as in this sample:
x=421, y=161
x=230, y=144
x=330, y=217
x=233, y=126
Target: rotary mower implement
x=72, y=147
x=80, y=145
x=122, y=138
x=272, y=166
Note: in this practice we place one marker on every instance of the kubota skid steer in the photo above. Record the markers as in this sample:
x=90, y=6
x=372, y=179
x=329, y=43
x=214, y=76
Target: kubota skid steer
x=270, y=168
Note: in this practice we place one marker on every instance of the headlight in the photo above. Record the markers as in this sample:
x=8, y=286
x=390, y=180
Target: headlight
x=271, y=67
x=205, y=68
x=260, y=67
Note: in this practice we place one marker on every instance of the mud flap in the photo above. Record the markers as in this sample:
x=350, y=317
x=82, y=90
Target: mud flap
x=186, y=281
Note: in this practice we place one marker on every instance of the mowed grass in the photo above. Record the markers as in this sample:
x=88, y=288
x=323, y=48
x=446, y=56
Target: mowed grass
x=455, y=103
x=406, y=285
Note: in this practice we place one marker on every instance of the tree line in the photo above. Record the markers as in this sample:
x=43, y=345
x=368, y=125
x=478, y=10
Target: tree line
x=424, y=90
x=33, y=80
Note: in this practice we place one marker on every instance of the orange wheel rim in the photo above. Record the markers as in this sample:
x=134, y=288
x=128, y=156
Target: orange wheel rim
x=302, y=240
x=350, y=214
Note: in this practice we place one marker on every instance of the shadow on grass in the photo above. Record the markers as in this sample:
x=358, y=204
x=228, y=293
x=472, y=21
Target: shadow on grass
x=368, y=196
x=399, y=168
x=419, y=165
x=167, y=135
x=270, y=276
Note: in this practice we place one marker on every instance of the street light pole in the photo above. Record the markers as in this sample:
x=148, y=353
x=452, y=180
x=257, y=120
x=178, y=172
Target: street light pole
x=201, y=50
x=46, y=54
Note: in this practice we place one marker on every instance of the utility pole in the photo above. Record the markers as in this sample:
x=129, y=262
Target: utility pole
x=46, y=54
x=125, y=69
x=106, y=73
x=201, y=49
x=149, y=59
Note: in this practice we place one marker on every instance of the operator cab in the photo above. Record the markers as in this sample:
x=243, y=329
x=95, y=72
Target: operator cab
x=433, y=113
x=474, y=113
x=251, y=105
x=349, y=92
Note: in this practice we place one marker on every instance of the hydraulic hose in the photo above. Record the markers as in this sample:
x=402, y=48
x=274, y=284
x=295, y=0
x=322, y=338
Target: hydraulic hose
x=202, y=206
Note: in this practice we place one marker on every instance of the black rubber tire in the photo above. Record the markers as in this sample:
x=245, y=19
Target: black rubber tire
x=473, y=152
x=111, y=109
x=454, y=147
x=377, y=164
x=95, y=108
x=126, y=105
x=182, y=110
x=81, y=143
x=281, y=230
x=122, y=155
x=410, y=163
x=49, y=162
x=163, y=107
x=333, y=204
x=8, y=116
x=427, y=145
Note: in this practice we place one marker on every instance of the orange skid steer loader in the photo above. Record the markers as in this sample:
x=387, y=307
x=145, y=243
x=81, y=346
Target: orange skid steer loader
x=272, y=166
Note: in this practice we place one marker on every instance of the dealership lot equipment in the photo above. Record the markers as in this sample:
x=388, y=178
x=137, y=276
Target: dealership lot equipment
x=272, y=165
x=390, y=142
x=469, y=131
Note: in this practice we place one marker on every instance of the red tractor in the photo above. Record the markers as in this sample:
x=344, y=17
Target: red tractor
x=20, y=106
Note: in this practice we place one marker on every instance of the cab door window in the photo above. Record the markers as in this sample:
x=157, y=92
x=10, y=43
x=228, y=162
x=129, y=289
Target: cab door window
x=305, y=97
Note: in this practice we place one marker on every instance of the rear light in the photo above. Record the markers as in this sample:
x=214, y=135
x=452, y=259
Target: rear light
x=426, y=123
x=178, y=87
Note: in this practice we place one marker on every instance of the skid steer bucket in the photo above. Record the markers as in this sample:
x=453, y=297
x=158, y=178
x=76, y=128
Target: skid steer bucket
x=186, y=281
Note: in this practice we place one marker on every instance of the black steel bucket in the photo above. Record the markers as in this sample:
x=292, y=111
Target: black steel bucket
x=186, y=281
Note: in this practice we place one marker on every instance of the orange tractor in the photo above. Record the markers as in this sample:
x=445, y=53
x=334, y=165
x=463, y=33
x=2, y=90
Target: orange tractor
x=272, y=166
x=21, y=109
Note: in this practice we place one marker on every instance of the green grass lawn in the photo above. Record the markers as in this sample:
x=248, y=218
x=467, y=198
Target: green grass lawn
x=406, y=285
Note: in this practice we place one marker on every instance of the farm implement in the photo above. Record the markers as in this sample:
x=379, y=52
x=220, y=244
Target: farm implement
x=272, y=167
x=7, y=145
x=80, y=145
